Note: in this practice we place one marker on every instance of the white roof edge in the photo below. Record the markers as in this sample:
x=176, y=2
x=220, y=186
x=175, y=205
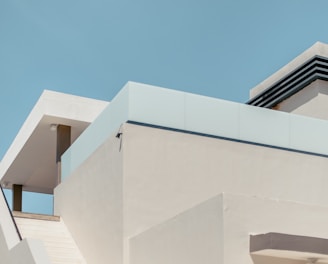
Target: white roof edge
x=53, y=104
x=319, y=48
x=177, y=110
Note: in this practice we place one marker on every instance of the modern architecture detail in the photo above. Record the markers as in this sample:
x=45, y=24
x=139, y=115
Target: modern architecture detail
x=169, y=177
x=314, y=69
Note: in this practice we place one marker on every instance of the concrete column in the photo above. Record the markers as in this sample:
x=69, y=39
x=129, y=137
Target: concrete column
x=63, y=140
x=17, y=197
x=63, y=143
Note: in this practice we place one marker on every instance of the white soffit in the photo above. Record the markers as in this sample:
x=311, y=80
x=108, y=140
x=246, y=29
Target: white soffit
x=31, y=159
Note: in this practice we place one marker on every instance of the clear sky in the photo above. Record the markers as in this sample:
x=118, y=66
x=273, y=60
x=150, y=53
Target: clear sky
x=219, y=48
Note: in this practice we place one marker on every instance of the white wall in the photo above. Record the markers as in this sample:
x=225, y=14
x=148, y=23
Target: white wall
x=111, y=198
x=311, y=101
x=91, y=204
x=192, y=237
x=218, y=231
x=7, y=225
x=245, y=215
x=4, y=251
x=27, y=251
x=14, y=251
x=166, y=172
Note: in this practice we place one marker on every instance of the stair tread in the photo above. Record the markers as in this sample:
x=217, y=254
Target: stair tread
x=57, y=240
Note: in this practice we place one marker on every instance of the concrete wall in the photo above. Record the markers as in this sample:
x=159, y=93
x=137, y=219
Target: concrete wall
x=27, y=251
x=14, y=251
x=166, y=172
x=149, y=175
x=4, y=250
x=218, y=231
x=192, y=237
x=7, y=225
x=245, y=215
x=91, y=204
x=311, y=101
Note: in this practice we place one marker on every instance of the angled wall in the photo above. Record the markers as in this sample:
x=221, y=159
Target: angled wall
x=154, y=153
x=245, y=216
x=6, y=223
x=219, y=229
x=90, y=203
x=192, y=237
x=27, y=251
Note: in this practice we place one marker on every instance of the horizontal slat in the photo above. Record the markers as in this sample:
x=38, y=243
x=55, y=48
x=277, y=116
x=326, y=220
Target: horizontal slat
x=313, y=69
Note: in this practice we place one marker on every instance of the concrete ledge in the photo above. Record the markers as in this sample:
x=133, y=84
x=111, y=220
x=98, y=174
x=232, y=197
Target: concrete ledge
x=36, y=216
x=290, y=246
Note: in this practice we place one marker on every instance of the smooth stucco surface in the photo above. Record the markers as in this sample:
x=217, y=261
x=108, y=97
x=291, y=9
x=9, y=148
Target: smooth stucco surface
x=90, y=202
x=7, y=225
x=246, y=215
x=136, y=187
x=311, y=101
x=14, y=251
x=194, y=236
x=27, y=251
x=129, y=186
x=218, y=231
x=4, y=251
x=166, y=172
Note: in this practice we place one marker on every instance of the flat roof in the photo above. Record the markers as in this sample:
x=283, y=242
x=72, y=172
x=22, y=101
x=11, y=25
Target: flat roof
x=30, y=160
x=186, y=112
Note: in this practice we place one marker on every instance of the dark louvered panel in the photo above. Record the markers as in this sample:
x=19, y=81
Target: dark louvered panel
x=314, y=69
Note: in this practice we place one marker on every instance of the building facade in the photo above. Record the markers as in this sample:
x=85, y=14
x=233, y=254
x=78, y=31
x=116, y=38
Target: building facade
x=168, y=177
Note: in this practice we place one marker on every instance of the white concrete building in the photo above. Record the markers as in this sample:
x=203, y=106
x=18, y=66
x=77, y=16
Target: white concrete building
x=167, y=177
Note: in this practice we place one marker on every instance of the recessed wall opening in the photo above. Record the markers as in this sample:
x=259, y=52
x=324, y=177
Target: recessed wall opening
x=35, y=203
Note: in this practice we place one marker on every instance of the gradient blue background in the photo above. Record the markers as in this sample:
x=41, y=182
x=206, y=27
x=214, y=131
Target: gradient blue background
x=92, y=48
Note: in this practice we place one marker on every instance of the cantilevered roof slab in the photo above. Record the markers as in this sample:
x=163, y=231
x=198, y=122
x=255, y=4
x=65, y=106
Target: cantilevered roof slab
x=31, y=159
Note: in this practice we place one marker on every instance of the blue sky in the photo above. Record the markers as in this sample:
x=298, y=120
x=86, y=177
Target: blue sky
x=92, y=48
